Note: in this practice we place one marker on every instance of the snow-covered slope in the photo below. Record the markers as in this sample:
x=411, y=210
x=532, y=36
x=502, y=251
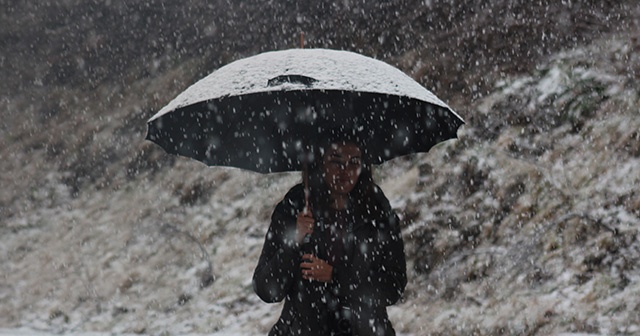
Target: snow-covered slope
x=526, y=225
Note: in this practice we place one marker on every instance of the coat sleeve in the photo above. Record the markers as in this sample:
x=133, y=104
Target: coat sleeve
x=389, y=270
x=385, y=278
x=279, y=260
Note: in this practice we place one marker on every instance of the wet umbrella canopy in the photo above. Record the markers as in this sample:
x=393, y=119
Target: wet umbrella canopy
x=264, y=113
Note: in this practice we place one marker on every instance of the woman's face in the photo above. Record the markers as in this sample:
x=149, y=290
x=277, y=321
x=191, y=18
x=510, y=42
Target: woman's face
x=342, y=164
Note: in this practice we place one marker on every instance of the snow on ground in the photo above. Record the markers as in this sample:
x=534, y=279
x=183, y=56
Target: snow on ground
x=514, y=244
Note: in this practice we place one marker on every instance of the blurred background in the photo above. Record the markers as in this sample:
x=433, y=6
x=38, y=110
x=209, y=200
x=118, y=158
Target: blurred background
x=525, y=225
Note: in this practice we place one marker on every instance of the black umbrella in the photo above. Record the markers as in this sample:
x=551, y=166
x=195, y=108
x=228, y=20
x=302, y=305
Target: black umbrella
x=264, y=113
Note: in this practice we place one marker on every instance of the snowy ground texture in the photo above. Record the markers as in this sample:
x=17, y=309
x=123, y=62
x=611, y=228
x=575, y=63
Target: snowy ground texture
x=526, y=225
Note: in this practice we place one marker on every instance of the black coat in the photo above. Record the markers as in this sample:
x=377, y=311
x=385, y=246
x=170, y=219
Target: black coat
x=372, y=276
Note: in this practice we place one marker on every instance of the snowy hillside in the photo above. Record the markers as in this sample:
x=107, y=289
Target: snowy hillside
x=534, y=230
x=526, y=225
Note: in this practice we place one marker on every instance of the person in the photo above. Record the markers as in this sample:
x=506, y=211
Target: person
x=339, y=261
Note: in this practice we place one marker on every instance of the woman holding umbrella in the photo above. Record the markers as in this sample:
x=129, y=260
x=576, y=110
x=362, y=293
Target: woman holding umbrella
x=339, y=261
x=333, y=251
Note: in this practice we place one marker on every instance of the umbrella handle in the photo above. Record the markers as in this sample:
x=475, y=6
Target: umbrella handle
x=306, y=243
x=305, y=178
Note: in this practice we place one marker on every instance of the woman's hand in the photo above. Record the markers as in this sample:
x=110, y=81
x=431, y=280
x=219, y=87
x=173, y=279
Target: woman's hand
x=315, y=269
x=304, y=225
